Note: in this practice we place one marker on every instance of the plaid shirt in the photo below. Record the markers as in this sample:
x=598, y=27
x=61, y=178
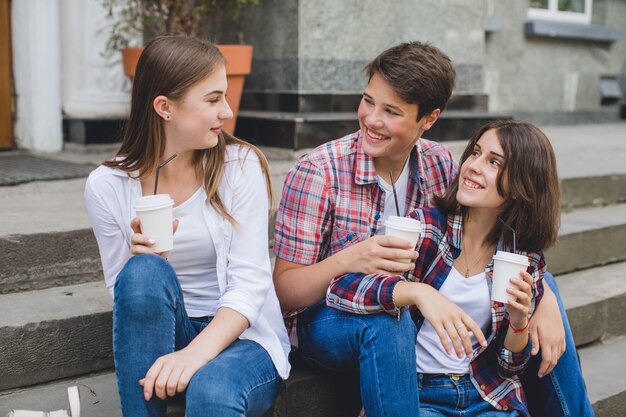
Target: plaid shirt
x=493, y=369
x=331, y=200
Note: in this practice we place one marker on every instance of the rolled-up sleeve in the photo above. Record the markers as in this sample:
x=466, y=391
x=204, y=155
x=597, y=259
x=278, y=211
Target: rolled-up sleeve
x=363, y=294
x=513, y=363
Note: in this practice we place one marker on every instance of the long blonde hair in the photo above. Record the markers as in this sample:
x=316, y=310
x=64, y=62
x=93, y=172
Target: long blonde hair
x=169, y=66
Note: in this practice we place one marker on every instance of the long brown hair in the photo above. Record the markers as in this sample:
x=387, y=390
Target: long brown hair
x=169, y=66
x=532, y=196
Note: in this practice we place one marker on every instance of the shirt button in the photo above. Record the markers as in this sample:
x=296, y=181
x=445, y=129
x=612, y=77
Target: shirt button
x=482, y=387
x=350, y=236
x=505, y=408
x=377, y=216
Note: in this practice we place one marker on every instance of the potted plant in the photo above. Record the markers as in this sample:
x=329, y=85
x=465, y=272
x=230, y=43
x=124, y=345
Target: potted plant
x=134, y=19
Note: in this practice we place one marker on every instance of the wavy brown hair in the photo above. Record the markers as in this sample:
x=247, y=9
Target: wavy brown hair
x=169, y=66
x=532, y=196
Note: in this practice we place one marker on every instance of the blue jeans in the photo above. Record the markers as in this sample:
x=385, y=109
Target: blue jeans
x=562, y=392
x=379, y=347
x=149, y=321
x=446, y=396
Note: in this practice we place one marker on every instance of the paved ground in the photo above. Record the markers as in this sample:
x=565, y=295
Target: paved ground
x=582, y=150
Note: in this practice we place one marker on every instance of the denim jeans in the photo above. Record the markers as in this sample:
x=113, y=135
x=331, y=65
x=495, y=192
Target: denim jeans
x=450, y=397
x=562, y=392
x=149, y=321
x=379, y=347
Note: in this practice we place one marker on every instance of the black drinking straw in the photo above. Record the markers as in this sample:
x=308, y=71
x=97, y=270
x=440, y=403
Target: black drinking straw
x=511, y=229
x=161, y=165
x=395, y=196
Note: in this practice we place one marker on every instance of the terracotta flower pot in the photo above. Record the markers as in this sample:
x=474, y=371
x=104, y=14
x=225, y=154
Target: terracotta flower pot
x=130, y=56
x=238, y=65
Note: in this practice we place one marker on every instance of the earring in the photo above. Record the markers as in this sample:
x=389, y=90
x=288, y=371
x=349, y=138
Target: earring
x=167, y=117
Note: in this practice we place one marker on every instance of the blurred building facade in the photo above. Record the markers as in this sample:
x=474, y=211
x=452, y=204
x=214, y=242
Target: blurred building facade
x=548, y=61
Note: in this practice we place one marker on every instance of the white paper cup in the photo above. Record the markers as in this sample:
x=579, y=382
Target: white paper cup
x=506, y=265
x=404, y=228
x=155, y=213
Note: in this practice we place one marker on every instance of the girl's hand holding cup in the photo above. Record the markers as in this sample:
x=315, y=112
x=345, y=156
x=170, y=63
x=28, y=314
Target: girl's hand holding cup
x=141, y=244
x=518, y=308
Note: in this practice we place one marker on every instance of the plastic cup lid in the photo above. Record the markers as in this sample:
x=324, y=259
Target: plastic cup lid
x=153, y=202
x=511, y=257
x=403, y=223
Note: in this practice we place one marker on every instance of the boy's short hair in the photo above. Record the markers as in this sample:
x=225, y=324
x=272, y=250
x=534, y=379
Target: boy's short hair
x=418, y=72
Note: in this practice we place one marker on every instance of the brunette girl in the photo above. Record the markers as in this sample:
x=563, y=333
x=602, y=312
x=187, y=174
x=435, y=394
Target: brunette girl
x=203, y=318
x=508, y=175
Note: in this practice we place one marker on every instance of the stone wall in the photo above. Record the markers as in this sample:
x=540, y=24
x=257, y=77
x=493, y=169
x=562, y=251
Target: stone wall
x=545, y=78
x=321, y=46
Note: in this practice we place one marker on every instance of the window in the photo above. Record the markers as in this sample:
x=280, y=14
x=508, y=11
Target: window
x=577, y=11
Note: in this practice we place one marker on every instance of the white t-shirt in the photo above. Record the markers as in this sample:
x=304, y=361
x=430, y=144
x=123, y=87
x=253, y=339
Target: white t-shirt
x=194, y=258
x=401, y=183
x=470, y=294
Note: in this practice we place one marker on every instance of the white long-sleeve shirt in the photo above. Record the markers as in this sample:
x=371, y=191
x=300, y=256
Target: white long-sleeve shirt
x=243, y=266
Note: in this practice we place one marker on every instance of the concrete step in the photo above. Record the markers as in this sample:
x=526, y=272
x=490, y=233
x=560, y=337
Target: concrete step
x=304, y=395
x=589, y=237
x=66, y=331
x=44, y=260
x=294, y=130
x=54, y=333
x=53, y=396
x=45, y=237
x=51, y=244
x=601, y=190
x=604, y=368
x=307, y=129
x=309, y=395
x=595, y=300
x=346, y=102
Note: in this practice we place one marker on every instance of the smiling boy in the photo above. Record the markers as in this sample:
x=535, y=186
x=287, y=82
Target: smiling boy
x=331, y=221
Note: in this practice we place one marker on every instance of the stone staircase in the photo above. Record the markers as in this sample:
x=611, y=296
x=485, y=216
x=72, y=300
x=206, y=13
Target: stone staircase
x=297, y=121
x=55, y=321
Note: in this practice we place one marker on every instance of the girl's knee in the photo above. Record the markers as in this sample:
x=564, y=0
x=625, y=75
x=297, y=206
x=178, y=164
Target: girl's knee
x=391, y=330
x=144, y=275
x=401, y=325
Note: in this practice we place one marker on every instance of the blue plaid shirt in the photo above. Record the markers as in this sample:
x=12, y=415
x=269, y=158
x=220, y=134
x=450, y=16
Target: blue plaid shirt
x=493, y=369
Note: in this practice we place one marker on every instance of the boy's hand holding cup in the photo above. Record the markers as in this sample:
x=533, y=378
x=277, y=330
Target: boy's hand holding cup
x=404, y=228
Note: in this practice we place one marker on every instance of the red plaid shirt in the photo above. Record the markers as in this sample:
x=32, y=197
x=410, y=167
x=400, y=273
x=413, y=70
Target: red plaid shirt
x=331, y=200
x=493, y=369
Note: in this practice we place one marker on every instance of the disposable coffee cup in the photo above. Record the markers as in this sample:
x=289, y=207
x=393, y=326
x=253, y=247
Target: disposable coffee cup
x=155, y=213
x=506, y=265
x=404, y=228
